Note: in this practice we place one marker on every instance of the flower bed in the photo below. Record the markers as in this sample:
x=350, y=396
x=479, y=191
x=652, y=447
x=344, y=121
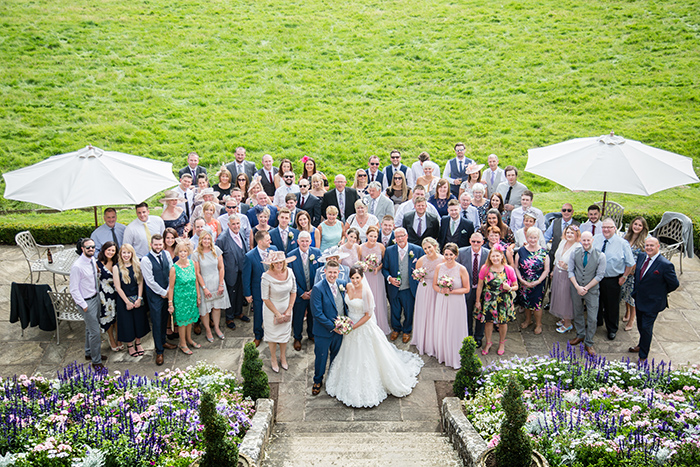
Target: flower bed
x=591, y=411
x=87, y=418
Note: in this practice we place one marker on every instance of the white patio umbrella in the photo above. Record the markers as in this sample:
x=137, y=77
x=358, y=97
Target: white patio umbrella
x=89, y=177
x=611, y=163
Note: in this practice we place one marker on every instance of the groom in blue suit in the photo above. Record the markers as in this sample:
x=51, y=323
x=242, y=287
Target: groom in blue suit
x=253, y=269
x=327, y=303
x=399, y=262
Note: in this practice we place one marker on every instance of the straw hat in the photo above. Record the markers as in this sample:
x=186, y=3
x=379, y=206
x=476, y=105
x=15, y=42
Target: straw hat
x=207, y=191
x=171, y=194
x=277, y=257
x=474, y=168
x=332, y=252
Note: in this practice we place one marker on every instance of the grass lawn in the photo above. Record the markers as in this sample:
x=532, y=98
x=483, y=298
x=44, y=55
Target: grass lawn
x=343, y=80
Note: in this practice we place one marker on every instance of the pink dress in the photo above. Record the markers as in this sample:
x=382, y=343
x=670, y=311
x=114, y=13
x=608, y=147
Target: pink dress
x=351, y=260
x=377, y=285
x=450, y=320
x=424, y=311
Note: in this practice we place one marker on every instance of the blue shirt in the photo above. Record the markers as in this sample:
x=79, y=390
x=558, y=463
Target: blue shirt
x=550, y=232
x=103, y=234
x=618, y=254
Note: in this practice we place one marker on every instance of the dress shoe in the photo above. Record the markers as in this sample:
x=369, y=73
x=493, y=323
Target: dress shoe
x=478, y=343
x=311, y=338
x=634, y=349
x=576, y=341
x=316, y=389
x=612, y=335
x=169, y=346
x=256, y=342
x=197, y=328
x=394, y=335
x=159, y=359
x=104, y=357
x=590, y=350
x=173, y=336
x=244, y=318
x=406, y=338
x=297, y=344
x=230, y=324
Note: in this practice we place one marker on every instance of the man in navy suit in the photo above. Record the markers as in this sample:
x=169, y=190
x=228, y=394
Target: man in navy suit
x=399, y=262
x=193, y=168
x=386, y=234
x=263, y=202
x=473, y=258
x=304, y=267
x=234, y=246
x=327, y=303
x=654, y=278
x=454, y=228
x=309, y=202
x=420, y=223
x=283, y=236
x=341, y=197
x=253, y=270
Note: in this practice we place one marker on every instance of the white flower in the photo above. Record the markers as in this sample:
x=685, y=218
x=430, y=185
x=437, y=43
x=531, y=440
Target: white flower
x=341, y=288
x=410, y=254
x=312, y=257
x=291, y=235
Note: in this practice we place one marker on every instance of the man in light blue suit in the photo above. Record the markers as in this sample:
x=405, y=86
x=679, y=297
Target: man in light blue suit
x=327, y=303
x=304, y=268
x=253, y=270
x=399, y=262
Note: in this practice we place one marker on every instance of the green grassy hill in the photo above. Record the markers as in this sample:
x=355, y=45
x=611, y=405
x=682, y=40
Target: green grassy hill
x=343, y=80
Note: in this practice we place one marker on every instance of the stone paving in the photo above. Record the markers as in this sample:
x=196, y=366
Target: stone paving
x=676, y=338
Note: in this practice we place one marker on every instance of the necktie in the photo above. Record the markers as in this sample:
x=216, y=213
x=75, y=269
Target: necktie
x=237, y=239
x=187, y=208
x=160, y=262
x=341, y=205
x=460, y=167
x=420, y=226
x=334, y=289
x=148, y=233
x=284, y=238
x=305, y=264
x=507, y=200
x=372, y=177
x=453, y=226
x=114, y=237
x=475, y=268
x=402, y=254
x=240, y=168
x=605, y=245
x=97, y=280
x=593, y=229
x=194, y=174
x=464, y=214
x=301, y=205
x=493, y=177
x=644, y=267
x=585, y=259
x=372, y=205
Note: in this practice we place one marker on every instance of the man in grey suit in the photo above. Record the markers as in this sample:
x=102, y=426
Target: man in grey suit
x=473, y=258
x=557, y=226
x=240, y=165
x=378, y=204
x=234, y=246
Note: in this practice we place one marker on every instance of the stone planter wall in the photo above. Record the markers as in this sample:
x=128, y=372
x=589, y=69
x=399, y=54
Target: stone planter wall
x=252, y=449
x=465, y=439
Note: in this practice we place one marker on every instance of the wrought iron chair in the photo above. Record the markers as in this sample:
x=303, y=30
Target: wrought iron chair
x=34, y=253
x=671, y=239
x=65, y=309
x=612, y=210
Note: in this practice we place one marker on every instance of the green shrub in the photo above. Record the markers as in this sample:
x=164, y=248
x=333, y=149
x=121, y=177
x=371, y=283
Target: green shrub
x=220, y=449
x=514, y=448
x=46, y=235
x=469, y=373
x=255, y=384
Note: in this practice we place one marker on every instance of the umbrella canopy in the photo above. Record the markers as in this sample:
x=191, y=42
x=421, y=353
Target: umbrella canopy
x=611, y=163
x=89, y=177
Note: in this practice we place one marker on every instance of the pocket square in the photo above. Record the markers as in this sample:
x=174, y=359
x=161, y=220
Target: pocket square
x=657, y=271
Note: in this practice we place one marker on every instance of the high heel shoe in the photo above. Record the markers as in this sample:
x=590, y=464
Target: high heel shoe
x=485, y=350
x=564, y=330
x=503, y=350
x=284, y=366
x=210, y=339
x=276, y=369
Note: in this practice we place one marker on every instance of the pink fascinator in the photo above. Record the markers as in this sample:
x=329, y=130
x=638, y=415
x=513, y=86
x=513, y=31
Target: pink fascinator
x=499, y=247
x=304, y=159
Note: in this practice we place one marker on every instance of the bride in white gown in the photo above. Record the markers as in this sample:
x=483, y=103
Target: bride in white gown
x=368, y=367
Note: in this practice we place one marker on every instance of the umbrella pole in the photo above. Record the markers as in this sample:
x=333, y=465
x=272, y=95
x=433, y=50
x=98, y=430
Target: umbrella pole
x=605, y=196
x=95, y=210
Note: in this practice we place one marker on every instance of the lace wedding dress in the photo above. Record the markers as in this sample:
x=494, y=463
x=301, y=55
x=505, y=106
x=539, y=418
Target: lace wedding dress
x=368, y=367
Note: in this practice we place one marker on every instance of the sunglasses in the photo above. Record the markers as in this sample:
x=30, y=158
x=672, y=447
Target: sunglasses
x=374, y=164
x=287, y=176
x=396, y=157
x=89, y=247
x=362, y=175
x=566, y=210
x=303, y=186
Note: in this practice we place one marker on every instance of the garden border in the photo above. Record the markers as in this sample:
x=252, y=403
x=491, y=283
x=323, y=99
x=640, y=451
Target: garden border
x=464, y=438
x=252, y=448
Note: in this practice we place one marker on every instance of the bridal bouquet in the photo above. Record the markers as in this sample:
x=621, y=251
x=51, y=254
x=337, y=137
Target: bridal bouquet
x=372, y=262
x=343, y=325
x=445, y=282
x=419, y=275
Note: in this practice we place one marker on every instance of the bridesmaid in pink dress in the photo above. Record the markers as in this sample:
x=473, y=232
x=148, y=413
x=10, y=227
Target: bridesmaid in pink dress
x=351, y=247
x=450, y=308
x=375, y=278
x=426, y=296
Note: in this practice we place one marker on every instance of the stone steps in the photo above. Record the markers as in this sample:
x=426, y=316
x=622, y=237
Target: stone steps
x=289, y=448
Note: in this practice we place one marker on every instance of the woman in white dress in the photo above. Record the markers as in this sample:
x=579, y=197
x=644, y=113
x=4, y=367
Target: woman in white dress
x=209, y=267
x=278, y=291
x=368, y=367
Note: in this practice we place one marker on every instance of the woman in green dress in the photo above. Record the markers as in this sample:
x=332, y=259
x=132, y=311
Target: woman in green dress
x=183, y=295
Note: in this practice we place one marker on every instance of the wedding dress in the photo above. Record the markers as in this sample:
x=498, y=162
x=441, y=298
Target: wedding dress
x=368, y=367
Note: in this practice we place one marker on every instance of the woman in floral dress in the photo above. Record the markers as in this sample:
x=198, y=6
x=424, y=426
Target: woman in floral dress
x=494, y=300
x=183, y=295
x=108, y=296
x=532, y=270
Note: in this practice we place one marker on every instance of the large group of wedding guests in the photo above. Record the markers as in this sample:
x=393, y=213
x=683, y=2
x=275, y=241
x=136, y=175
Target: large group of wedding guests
x=444, y=253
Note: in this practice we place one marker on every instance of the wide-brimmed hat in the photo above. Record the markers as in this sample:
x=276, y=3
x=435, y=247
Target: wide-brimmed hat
x=171, y=194
x=331, y=252
x=207, y=191
x=277, y=257
x=473, y=168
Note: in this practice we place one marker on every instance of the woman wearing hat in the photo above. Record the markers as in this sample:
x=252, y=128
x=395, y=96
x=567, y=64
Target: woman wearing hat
x=278, y=292
x=429, y=181
x=473, y=172
x=173, y=215
x=207, y=195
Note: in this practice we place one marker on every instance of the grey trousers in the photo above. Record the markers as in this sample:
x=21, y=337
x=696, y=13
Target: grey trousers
x=585, y=326
x=93, y=340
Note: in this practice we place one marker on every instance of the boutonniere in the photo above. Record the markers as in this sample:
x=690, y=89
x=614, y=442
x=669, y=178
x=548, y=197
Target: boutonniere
x=312, y=257
x=290, y=235
x=341, y=288
x=410, y=254
x=393, y=240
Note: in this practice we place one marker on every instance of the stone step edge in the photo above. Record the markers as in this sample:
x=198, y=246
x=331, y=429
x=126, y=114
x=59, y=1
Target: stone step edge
x=358, y=426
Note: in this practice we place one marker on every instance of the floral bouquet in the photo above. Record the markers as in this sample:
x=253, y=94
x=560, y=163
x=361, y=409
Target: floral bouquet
x=363, y=265
x=445, y=282
x=372, y=262
x=419, y=275
x=343, y=325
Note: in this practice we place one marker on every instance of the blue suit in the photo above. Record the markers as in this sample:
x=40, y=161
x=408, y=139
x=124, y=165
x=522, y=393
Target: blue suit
x=276, y=239
x=651, y=296
x=253, y=269
x=325, y=312
x=401, y=300
x=300, y=305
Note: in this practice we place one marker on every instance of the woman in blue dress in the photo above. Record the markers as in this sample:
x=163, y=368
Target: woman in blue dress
x=173, y=215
